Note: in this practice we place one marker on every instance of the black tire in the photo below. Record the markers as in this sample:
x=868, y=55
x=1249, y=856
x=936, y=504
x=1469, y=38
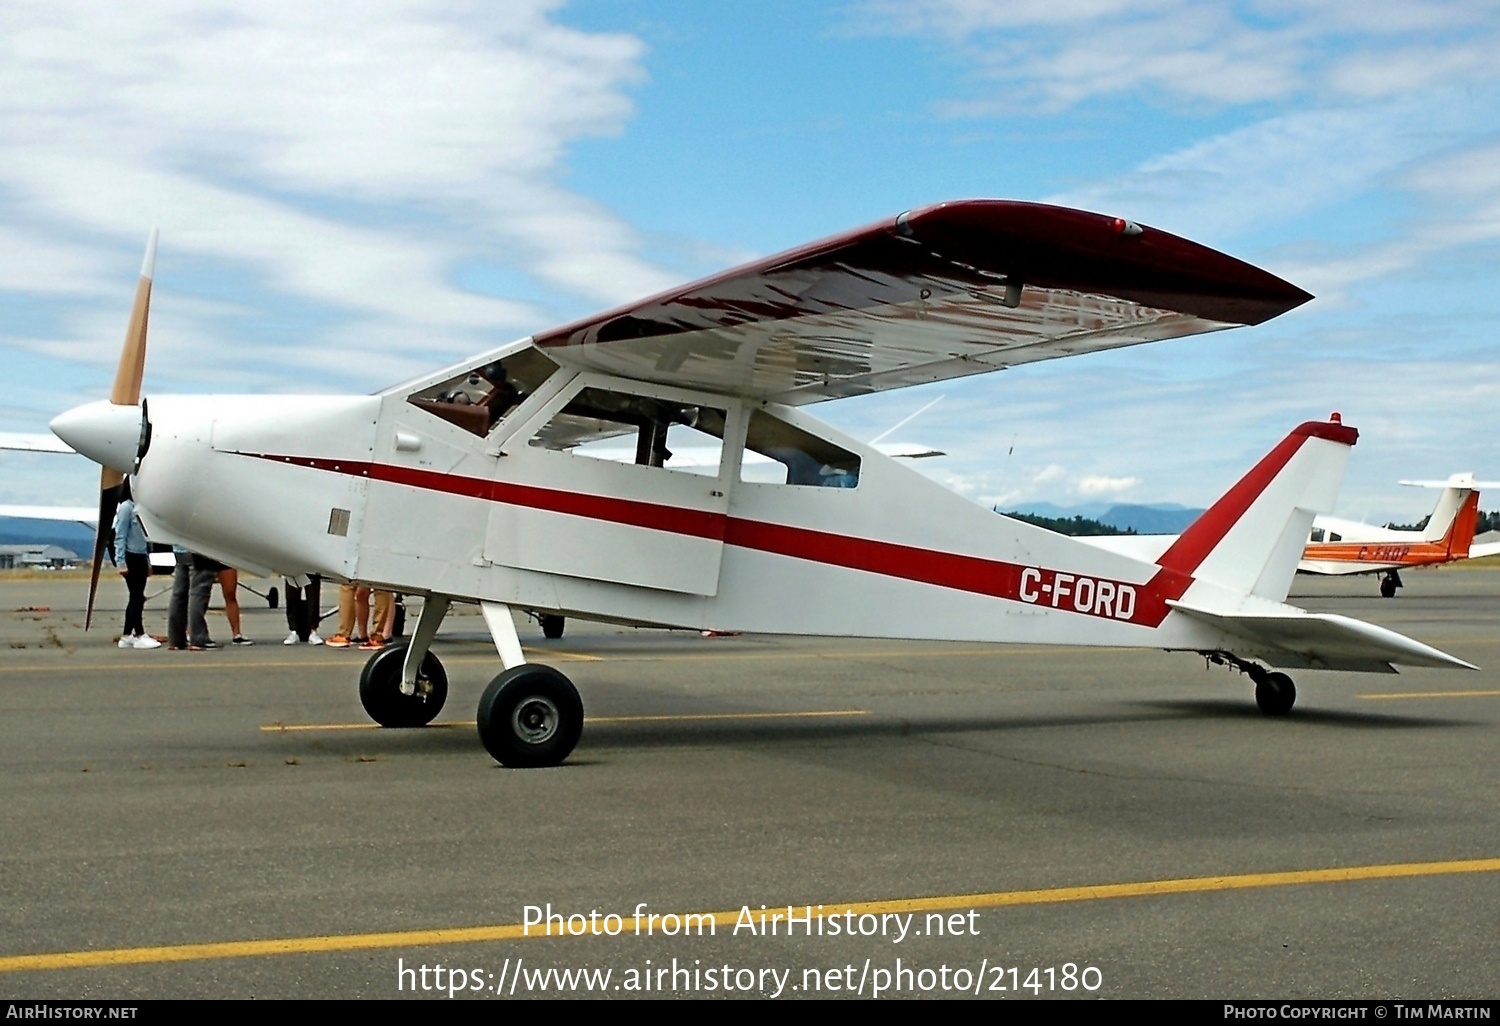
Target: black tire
x=273, y=597
x=530, y=716
x=1275, y=694
x=380, y=689
x=552, y=625
x=1388, y=587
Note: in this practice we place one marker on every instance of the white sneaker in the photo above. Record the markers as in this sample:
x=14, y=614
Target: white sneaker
x=127, y=641
x=313, y=639
x=146, y=641
x=292, y=639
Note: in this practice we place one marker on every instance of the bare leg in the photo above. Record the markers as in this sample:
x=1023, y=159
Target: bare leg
x=229, y=585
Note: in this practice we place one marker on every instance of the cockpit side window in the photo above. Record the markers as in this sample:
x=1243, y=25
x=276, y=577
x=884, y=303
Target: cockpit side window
x=796, y=457
x=478, y=399
x=645, y=430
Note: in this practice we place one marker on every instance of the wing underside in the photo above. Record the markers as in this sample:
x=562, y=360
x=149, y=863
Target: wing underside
x=944, y=292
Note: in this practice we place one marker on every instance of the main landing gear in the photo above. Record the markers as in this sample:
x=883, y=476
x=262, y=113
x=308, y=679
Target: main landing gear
x=1275, y=693
x=530, y=715
x=393, y=702
x=1389, y=582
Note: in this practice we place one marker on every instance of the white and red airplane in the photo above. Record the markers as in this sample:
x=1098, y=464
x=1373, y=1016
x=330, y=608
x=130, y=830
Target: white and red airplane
x=473, y=484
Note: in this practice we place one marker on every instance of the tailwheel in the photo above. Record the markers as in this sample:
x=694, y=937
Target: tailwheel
x=1275, y=694
x=1389, y=583
x=530, y=716
x=388, y=701
x=552, y=625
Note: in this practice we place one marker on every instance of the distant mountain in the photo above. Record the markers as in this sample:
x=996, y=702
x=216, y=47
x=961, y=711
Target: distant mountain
x=1165, y=518
x=24, y=531
x=1154, y=518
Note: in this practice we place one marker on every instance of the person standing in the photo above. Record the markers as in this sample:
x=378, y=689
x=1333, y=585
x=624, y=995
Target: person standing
x=177, y=607
x=382, y=615
x=354, y=614
x=133, y=557
x=229, y=587
x=201, y=584
x=302, y=612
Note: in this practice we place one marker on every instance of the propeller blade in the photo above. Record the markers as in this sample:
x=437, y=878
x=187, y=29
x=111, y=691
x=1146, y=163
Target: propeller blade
x=127, y=387
x=125, y=392
x=109, y=504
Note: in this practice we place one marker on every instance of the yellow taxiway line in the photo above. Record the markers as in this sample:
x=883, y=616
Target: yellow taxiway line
x=946, y=903
x=285, y=728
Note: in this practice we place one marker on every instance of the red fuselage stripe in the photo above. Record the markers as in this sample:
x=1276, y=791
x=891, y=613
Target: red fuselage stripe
x=974, y=574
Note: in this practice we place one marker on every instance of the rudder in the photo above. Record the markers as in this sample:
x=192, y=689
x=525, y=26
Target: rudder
x=1251, y=539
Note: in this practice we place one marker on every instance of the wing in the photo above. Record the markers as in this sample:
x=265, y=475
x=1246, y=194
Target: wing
x=32, y=443
x=941, y=292
x=88, y=516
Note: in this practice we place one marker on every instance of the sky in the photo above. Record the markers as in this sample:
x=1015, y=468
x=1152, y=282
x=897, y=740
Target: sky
x=350, y=195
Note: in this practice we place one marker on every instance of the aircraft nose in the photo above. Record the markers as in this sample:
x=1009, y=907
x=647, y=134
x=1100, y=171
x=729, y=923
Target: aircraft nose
x=108, y=434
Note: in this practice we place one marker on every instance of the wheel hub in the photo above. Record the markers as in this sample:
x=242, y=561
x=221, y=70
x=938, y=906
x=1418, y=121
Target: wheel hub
x=535, y=720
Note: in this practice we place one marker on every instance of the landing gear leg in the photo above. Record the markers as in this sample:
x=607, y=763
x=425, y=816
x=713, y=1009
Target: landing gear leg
x=531, y=714
x=1389, y=582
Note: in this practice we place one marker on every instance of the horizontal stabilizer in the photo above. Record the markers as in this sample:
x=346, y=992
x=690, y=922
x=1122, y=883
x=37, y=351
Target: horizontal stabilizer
x=1323, y=641
x=1456, y=481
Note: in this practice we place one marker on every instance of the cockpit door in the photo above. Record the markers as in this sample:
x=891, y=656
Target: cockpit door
x=610, y=482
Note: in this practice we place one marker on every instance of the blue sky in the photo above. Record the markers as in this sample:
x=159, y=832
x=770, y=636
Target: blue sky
x=348, y=196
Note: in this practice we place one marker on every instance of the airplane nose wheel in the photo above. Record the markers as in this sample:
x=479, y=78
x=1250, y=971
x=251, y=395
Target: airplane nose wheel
x=1275, y=694
x=388, y=704
x=530, y=716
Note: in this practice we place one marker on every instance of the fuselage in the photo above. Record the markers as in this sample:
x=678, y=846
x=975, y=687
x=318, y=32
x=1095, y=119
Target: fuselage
x=383, y=490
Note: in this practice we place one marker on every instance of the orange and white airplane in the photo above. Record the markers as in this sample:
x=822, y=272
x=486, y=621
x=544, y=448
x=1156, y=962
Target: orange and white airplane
x=1351, y=547
x=1338, y=547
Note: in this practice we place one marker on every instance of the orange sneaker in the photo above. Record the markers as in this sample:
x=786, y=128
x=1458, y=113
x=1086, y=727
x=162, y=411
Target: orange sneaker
x=338, y=641
x=373, y=643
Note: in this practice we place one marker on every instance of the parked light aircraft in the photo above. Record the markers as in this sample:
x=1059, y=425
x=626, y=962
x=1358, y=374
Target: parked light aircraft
x=1337, y=546
x=471, y=483
x=1350, y=547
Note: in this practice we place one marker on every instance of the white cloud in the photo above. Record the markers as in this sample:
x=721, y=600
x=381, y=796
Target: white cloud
x=1191, y=50
x=334, y=158
x=1095, y=485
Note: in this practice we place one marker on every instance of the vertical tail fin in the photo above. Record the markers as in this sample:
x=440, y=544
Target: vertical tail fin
x=1251, y=539
x=1460, y=534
